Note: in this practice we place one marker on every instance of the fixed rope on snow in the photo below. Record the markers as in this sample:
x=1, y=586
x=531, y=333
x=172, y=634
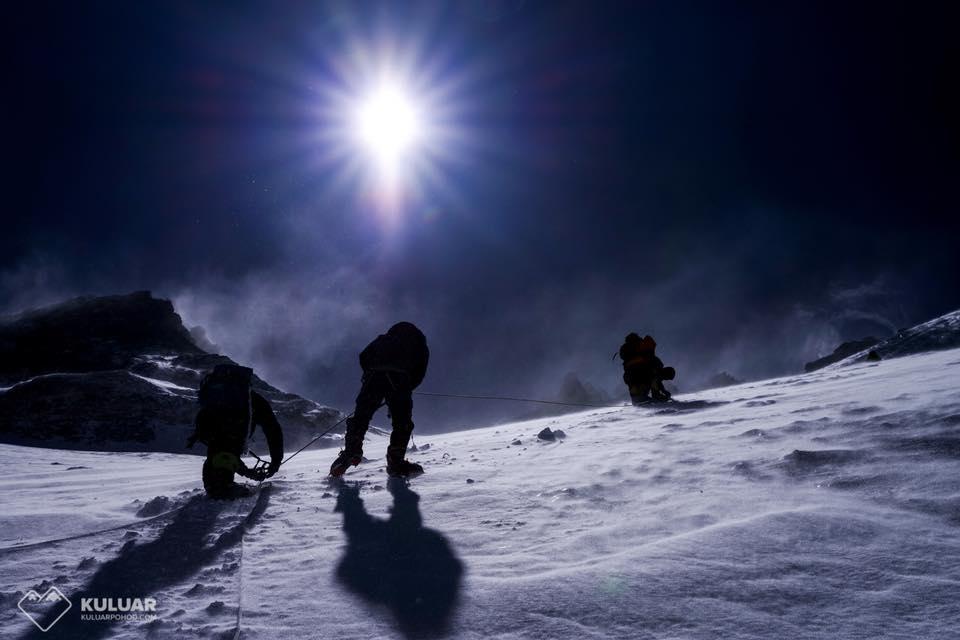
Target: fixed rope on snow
x=291, y=456
x=511, y=399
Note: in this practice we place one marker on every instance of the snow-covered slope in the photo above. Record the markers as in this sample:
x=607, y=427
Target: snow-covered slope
x=824, y=505
x=933, y=335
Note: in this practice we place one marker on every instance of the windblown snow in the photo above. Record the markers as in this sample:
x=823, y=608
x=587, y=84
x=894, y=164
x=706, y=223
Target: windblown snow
x=823, y=505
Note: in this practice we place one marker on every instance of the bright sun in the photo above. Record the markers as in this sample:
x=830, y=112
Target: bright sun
x=388, y=124
x=391, y=129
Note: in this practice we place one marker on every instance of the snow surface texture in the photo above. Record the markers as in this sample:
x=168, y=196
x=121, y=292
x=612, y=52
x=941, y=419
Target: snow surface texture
x=823, y=505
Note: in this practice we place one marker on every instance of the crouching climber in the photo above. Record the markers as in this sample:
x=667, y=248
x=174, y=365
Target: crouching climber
x=643, y=371
x=394, y=364
x=229, y=412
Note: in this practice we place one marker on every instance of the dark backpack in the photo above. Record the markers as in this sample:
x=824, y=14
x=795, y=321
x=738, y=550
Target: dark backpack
x=224, y=419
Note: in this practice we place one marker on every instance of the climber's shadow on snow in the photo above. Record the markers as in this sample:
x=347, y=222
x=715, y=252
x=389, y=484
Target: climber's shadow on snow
x=183, y=548
x=399, y=563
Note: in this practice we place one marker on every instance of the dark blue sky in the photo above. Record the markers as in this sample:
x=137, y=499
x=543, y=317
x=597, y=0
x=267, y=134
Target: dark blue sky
x=749, y=181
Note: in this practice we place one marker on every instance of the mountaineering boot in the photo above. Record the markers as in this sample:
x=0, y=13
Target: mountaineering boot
x=402, y=468
x=344, y=461
x=397, y=467
x=352, y=453
x=660, y=394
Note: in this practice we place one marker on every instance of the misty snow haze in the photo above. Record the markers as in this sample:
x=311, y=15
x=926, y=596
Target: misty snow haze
x=304, y=330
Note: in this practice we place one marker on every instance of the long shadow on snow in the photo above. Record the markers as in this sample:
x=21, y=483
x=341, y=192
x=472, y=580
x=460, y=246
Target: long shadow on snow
x=399, y=563
x=141, y=570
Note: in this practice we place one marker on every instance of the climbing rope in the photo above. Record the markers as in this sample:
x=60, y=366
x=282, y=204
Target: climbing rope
x=290, y=457
x=128, y=525
x=512, y=399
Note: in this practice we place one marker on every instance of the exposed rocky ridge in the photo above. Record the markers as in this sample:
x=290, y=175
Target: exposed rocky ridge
x=118, y=373
x=934, y=335
x=721, y=379
x=90, y=334
x=845, y=350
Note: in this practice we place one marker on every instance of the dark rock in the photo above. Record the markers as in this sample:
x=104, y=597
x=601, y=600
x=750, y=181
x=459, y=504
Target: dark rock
x=574, y=391
x=118, y=373
x=722, y=379
x=547, y=435
x=578, y=392
x=934, y=335
x=90, y=334
x=845, y=350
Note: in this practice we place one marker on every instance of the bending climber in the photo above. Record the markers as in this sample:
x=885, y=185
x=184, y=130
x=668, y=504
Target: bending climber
x=229, y=412
x=394, y=364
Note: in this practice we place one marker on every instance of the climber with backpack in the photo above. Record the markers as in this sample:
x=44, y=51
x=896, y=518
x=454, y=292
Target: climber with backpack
x=394, y=364
x=229, y=411
x=643, y=371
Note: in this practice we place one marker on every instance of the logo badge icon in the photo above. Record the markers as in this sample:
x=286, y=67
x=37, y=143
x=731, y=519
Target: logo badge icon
x=40, y=608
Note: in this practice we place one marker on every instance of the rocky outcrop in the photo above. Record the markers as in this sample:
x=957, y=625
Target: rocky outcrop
x=118, y=373
x=722, y=379
x=845, y=350
x=934, y=335
x=578, y=392
x=90, y=334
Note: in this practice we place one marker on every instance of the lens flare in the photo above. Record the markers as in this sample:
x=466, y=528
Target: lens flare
x=394, y=120
x=388, y=125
